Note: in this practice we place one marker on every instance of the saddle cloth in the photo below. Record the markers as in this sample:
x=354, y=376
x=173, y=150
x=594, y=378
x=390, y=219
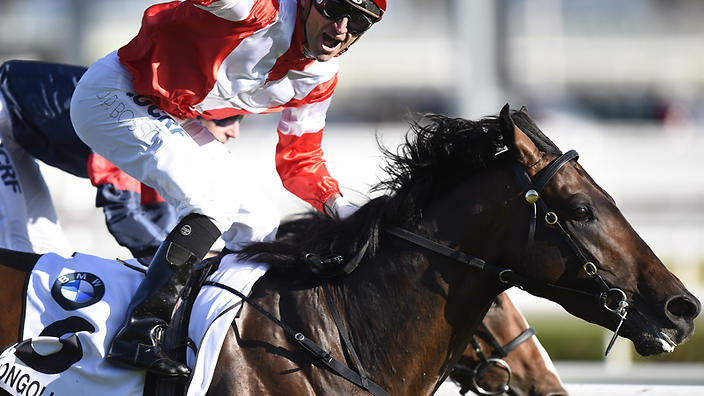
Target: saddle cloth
x=75, y=305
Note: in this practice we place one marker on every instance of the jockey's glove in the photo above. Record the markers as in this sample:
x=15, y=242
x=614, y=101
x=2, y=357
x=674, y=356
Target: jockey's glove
x=341, y=208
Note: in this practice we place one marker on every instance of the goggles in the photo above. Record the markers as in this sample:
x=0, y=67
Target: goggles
x=359, y=19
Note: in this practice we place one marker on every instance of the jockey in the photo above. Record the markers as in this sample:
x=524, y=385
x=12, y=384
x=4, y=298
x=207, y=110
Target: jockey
x=33, y=127
x=215, y=59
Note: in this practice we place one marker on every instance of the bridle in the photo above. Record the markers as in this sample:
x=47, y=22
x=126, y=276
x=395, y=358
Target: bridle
x=495, y=360
x=611, y=298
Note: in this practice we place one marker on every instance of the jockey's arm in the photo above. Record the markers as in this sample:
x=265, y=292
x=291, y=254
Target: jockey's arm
x=299, y=155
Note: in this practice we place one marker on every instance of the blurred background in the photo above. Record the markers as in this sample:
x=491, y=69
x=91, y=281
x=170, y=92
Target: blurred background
x=621, y=81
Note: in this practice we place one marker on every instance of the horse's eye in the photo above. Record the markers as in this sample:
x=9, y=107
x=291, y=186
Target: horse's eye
x=581, y=213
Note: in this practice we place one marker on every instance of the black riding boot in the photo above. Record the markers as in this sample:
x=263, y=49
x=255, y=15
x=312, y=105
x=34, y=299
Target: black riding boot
x=138, y=342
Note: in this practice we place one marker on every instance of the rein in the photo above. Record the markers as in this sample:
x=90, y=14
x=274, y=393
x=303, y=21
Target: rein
x=358, y=377
x=611, y=298
x=496, y=359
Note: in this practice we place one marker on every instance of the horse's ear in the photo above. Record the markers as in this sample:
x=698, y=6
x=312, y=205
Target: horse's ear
x=518, y=143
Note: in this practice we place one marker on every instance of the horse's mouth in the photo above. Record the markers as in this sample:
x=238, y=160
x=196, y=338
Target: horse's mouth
x=667, y=344
x=651, y=340
x=648, y=344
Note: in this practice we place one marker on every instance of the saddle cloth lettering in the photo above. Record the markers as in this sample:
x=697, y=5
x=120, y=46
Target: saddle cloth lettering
x=75, y=305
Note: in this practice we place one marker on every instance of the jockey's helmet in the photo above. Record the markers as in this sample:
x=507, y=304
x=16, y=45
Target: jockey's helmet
x=374, y=7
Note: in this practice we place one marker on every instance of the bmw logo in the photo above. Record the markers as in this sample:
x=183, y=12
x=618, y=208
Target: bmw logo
x=77, y=290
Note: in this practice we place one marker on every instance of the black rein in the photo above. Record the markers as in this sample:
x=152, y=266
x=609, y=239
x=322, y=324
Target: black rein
x=358, y=378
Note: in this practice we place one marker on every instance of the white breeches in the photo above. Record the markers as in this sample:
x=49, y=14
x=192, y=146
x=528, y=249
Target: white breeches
x=180, y=159
x=28, y=221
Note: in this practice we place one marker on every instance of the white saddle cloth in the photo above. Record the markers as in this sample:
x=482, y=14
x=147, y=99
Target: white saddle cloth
x=75, y=305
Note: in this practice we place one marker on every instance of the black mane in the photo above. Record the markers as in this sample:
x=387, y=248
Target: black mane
x=437, y=154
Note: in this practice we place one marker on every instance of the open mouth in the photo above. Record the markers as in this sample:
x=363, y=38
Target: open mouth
x=329, y=43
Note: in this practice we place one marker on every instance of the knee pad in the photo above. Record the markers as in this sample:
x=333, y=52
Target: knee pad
x=195, y=234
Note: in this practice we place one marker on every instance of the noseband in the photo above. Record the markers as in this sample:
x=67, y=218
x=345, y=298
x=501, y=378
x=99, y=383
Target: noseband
x=611, y=298
x=495, y=360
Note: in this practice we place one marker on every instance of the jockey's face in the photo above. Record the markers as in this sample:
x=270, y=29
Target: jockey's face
x=325, y=38
x=222, y=133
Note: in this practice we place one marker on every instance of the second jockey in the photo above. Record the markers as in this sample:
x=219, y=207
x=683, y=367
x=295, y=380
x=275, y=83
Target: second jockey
x=215, y=59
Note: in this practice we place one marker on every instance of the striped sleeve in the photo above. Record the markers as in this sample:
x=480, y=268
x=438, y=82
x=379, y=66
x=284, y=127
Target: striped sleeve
x=237, y=10
x=157, y=57
x=299, y=154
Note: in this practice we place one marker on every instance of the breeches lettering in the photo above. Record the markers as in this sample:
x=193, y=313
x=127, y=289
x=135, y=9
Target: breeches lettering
x=8, y=175
x=118, y=110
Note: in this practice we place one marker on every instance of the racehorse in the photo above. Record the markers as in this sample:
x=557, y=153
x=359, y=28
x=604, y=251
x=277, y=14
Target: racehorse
x=504, y=356
x=458, y=226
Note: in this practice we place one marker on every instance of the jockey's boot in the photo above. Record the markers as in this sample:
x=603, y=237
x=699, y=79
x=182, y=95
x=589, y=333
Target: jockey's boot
x=138, y=343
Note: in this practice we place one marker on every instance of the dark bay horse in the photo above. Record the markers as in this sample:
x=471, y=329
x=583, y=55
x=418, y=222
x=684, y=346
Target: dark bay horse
x=473, y=208
x=504, y=356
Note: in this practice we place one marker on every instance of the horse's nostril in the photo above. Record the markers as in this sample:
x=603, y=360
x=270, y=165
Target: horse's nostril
x=683, y=307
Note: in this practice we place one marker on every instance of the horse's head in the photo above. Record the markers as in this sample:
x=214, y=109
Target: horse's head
x=585, y=255
x=505, y=355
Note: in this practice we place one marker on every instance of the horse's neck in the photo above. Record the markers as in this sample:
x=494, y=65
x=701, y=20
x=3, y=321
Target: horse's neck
x=409, y=312
x=409, y=301
x=392, y=317
x=432, y=312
